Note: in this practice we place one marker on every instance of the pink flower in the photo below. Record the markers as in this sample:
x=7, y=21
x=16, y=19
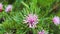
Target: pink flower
x=42, y=32
x=1, y=7
x=8, y=8
x=32, y=20
x=56, y=20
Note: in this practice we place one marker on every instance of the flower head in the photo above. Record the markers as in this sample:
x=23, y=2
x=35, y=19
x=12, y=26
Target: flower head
x=32, y=20
x=8, y=8
x=56, y=20
x=1, y=7
x=42, y=32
